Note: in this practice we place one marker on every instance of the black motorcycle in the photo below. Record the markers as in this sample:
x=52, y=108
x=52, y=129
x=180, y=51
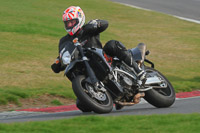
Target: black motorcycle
x=99, y=83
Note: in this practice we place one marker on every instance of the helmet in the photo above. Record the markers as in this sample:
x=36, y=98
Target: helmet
x=74, y=19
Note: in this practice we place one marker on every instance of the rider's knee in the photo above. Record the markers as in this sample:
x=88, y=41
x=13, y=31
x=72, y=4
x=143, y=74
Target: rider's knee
x=113, y=47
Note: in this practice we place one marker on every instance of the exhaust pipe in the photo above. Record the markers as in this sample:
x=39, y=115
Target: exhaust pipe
x=136, y=100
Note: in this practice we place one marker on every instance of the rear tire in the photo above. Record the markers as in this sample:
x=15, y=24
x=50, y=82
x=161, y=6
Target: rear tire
x=160, y=98
x=78, y=85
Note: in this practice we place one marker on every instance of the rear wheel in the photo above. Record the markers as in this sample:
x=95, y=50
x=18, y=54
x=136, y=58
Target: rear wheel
x=98, y=100
x=162, y=95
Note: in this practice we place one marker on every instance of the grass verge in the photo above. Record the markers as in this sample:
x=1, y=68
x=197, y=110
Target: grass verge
x=176, y=123
x=56, y=102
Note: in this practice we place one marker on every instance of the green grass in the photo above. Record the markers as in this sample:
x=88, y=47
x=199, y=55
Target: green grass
x=56, y=102
x=30, y=31
x=99, y=124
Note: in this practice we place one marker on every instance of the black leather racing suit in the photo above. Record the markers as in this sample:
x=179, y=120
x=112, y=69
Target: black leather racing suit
x=91, y=33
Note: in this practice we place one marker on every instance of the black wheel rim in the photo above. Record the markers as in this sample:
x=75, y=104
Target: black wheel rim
x=85, y=85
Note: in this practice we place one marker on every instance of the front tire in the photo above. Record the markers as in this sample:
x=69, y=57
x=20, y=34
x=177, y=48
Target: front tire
x=163, y=97
x=79, y=86
x=82, y=106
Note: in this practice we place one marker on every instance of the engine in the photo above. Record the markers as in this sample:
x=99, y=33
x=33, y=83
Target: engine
x=125, y=81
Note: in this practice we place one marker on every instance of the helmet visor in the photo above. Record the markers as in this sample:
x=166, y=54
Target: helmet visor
x=70, y=23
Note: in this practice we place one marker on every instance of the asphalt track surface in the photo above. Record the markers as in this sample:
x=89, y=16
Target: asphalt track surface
x=181, y=106
x=182, y=8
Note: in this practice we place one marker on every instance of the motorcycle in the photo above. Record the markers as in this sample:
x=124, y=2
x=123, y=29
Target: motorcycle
x=100, y=82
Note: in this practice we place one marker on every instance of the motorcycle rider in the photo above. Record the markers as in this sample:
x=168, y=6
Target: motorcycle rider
x=74, y=23
x=74, y=20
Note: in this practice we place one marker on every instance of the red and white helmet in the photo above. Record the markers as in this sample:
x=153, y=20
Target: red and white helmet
x=74, y=19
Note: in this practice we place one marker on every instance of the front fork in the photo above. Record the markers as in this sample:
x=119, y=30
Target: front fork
x=92, y=77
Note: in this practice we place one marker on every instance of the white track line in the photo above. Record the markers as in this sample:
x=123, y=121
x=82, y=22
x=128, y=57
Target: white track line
x=186, y=19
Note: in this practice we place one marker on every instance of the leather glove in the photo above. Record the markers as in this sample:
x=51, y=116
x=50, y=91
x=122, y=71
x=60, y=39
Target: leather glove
x=56, y=66
x=91, y=26
x=93, y=23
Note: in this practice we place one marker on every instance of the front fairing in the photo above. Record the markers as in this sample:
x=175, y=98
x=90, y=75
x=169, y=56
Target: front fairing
x=71, y=65
x=100, y=54
x=98, y=63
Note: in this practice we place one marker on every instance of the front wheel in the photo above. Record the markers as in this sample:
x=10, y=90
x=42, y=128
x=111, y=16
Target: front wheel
x=82, y=106
x=97, y=100
x=162, y=95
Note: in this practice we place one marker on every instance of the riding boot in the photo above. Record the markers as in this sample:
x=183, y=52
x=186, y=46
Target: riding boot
x=128, y=59
x=116, y=48
x=118, y=106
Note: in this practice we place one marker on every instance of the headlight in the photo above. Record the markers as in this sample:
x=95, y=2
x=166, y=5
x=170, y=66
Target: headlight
x=66, y=58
